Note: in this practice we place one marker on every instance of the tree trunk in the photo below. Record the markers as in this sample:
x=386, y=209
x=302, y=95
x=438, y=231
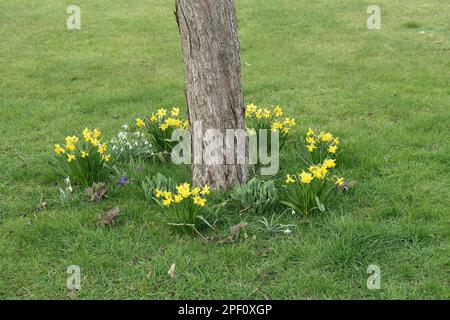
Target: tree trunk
x=212, y=69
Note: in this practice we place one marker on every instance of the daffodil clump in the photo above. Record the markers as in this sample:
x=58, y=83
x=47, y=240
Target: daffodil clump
x=319, y=146
x=271, y=119
x=308, y=190
x=160, y=126
x=184, y=205
x=85, y=160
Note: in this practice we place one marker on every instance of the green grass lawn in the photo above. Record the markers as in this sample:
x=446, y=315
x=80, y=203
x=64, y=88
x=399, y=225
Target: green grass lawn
x=386, y=93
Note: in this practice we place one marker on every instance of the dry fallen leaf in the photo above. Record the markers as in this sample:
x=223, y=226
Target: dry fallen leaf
x=109, y=219
x=71, y=294
x=97, y=192
x=236, y=230
x=235, y=234
x=172, y=270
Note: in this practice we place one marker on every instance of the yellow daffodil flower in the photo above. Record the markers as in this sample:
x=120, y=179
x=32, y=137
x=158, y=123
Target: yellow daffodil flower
x=102, y=148
x=278, y=111
x=332, y=149
x=310, y=140
x=161, y=113
x=251, y=108
x=59, y=149
x=87, y=135
x=329, y=163
x=319, y=172
x=71, y=140
x=276, y=125
x=196, y=191
x=175, y=112
x=167, y=194
x=95, y=142
x=96, y=133
x=289, y=179
x=327, y=137
x=166, y=202
x=266, y=113
x=199, y=201
x=70, y=147
x=171, y=122
x=177, y=198
x=184, y=190
x=206, y=190
x=305, y=177
x=259, y=113
x=140, y=123
x=158, y=193
x=289, y=122
x=153, y=118
x=311, y=147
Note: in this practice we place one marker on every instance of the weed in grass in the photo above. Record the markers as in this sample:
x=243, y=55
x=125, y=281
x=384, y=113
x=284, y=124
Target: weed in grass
x=412, y=25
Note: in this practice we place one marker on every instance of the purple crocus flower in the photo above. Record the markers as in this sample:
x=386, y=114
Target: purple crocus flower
x=123, y=181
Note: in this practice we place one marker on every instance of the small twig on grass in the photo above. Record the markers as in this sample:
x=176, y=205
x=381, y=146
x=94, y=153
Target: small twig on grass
x=245, y=209
x=42, y=203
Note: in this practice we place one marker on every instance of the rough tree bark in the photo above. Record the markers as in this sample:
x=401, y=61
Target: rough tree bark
x=212, y=69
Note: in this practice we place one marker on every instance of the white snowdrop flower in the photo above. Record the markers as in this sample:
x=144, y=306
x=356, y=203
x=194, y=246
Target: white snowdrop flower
x=125, y=126
x=114, y=148
x=293, y=211
x=123, y=136
x=70, y=189
x=121, y=150
x=287, y=231
x=136, y=144
x=146, y=142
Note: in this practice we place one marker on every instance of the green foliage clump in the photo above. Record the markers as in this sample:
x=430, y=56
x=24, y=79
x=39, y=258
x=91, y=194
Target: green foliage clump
x=158, y=182
x=256, y=196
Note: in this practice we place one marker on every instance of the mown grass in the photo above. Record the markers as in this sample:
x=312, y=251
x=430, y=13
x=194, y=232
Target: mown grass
x=385, y=93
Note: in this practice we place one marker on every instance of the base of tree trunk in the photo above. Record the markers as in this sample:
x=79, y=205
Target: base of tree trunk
x=212, y=70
